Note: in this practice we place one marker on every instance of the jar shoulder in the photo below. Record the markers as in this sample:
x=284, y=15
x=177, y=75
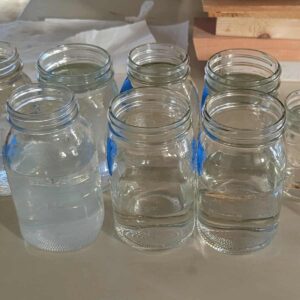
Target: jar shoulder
x=59, y=152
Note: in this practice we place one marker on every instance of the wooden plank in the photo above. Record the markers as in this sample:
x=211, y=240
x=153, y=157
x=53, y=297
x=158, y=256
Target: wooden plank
x=259, y=27
x=252, y=8
x=294, y=14
x=207, y=43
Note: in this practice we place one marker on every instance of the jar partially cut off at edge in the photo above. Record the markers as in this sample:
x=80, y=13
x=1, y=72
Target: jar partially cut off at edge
x=292, y=138
x=11, y=77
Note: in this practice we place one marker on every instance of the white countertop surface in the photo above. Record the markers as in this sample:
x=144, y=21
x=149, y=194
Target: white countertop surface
x=109, y=269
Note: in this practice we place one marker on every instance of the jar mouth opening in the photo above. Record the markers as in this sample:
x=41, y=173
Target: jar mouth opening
x=260, y=62
x=9, y=59
x=149, y=109
x=74, y=54
x=244, y=116
x=169, y=61
x=41, y=107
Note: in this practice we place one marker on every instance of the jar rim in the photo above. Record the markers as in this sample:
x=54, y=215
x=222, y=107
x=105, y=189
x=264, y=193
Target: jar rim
x=150, y=95
x=11, y=61
x=243, y=52
x=46, y=72
x=181, y=67
x=235, y=135
x=29, y=93
x=291, y=101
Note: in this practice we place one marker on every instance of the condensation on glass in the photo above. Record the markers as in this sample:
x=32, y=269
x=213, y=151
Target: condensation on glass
x=292, y=138
x=164, y=65
x=52, y=166
x=243, y=170
x=87, y=71
x=241, y=69
x=11, y=76
x=150, y=159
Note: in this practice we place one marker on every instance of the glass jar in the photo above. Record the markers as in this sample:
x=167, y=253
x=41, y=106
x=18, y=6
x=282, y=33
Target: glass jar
x=87, y=71
x=241, y=69
x=152, y=181
x=164, y=65
x=292, y=137
x=52, y=166
x=243, y=170
x=11, y=76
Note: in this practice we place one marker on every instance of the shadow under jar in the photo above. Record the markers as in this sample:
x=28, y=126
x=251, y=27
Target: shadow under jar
x=150, y=158
x=241, y=69
x=11, y=77
x=52, y=167
x=87, y=71
x=292, y=138
x=243, y=170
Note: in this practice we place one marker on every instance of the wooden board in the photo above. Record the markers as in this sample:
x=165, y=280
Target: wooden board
x=259, y=27
x=207, y=43
x=252, y=8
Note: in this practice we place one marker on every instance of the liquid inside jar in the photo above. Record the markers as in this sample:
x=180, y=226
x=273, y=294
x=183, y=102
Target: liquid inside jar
x=75, y=69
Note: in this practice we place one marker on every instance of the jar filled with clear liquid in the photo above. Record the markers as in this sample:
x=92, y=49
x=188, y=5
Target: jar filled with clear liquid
x=292, y=138
x=11, y=77
x=243, y=170
x=52, y=166
x=149, y=154
x=87, y=71
x=241, y=69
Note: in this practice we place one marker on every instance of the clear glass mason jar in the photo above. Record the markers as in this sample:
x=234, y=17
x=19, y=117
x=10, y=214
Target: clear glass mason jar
x=11, y=76
x=87, y=71
x=241, y=69
x=243, y=170
x=152, y=181
x=164, y=65
x=52, y=166
x=292, y=138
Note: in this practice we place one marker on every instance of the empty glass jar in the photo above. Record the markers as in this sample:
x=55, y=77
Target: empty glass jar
x=243, y=170
x=11, y=76
x=241, y=69
x=87, y=71
x=149, y=154
x=292, y=135
x=52, y=166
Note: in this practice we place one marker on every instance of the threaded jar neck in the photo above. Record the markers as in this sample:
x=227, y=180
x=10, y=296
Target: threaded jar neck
x=292, y=105
x=242, y=69
x=80, y=67
x=39, y=109
x=244, y=118
x=149, y=116
x=10, y=62
x=158, y=64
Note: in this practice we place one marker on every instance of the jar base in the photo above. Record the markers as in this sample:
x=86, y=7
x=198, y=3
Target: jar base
x=155, y=238
x=70, y=236
x=292, y=194
x=236, y=241
x=4, y=186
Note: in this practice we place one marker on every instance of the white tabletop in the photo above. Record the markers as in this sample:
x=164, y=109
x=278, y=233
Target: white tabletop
x=110, y=270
